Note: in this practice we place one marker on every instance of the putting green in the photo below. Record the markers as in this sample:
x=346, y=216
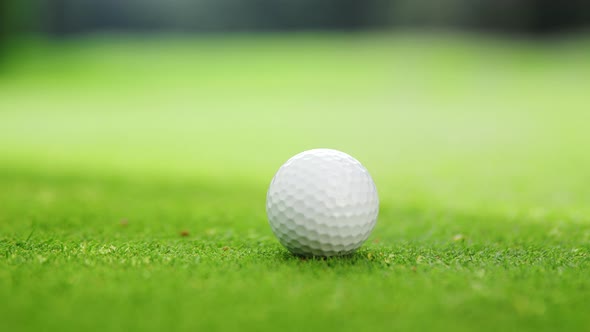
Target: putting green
x=133, y=175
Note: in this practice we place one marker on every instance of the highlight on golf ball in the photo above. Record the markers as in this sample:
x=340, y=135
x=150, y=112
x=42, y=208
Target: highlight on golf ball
x=322, y=202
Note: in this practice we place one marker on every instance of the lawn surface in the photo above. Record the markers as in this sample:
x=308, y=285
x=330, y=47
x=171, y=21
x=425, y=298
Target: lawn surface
x=133, y=175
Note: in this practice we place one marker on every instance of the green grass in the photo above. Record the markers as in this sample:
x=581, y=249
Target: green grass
x=110, y=148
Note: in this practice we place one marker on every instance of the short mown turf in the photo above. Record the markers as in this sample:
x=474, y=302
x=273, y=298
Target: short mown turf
x=133, y=176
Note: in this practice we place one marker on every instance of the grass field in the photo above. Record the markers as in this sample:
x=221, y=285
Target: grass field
x=133, y=175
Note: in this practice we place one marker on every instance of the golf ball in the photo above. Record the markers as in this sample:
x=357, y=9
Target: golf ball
x=322, y=202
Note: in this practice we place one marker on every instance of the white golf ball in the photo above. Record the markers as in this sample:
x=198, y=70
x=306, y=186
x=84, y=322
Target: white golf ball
x=322, y=202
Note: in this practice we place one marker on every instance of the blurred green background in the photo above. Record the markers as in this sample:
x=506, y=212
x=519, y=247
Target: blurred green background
x=137, y=141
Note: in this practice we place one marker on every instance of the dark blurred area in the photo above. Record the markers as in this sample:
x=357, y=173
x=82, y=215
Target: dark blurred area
x=59, y=18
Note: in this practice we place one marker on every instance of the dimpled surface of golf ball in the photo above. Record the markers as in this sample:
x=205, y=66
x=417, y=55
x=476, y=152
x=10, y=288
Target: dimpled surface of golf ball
x=322, y=202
